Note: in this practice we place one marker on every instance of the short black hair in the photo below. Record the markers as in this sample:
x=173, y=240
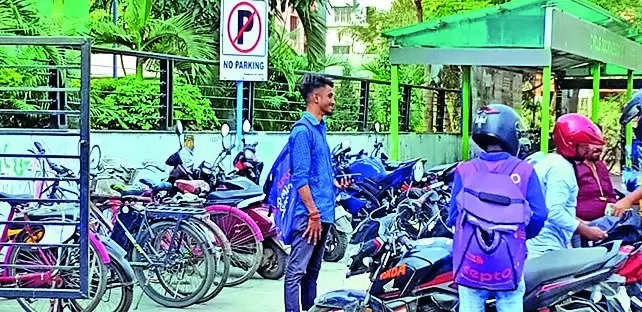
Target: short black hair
x=311, y=82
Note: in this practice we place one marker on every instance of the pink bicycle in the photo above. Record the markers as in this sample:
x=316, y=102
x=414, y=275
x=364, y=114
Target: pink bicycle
x=35, y=259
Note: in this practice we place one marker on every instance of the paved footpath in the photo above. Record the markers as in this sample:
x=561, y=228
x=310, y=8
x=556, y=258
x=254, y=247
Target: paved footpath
x=255, y=295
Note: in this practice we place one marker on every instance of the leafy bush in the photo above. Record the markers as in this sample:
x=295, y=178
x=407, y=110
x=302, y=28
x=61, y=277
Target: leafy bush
x=133, y=104
x=10, y=77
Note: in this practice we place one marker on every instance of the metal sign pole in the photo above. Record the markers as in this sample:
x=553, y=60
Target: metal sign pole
x=239, y=115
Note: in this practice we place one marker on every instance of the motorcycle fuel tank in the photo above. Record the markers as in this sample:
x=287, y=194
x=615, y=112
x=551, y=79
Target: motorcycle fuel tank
x=429, y=258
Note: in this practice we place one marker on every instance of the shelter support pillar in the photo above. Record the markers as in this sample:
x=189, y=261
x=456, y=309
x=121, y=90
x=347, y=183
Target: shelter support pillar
x=545, y=109
x=465, y=115
x=629, y=126
x=595, y=104
x=394, y=112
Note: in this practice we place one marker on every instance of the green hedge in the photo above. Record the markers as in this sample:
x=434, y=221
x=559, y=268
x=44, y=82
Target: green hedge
x=133, y=104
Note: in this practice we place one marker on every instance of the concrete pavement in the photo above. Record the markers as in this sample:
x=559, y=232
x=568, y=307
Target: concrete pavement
x=255, y=295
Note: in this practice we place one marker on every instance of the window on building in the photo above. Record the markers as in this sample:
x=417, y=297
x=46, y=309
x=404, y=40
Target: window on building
x=341, y=50
x=343, y=14
x=294, y=21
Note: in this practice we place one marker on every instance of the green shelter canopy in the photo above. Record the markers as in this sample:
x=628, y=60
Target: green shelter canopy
x=569, y=37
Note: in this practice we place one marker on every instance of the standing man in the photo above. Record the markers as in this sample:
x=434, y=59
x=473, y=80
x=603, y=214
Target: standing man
x=313, y=177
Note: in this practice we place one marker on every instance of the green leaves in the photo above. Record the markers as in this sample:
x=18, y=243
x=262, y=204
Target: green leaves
x=133, y=104
x=138, y=30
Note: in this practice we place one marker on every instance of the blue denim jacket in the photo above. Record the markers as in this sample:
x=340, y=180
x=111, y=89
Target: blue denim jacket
x=312, y=165
x=557, y=177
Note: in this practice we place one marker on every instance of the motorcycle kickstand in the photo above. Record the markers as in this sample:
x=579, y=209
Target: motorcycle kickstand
x=140, y=296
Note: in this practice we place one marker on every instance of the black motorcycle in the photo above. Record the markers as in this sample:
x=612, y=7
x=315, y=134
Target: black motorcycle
x=416, y=276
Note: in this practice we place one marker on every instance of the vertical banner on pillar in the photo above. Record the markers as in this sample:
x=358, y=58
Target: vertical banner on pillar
x=244, y=40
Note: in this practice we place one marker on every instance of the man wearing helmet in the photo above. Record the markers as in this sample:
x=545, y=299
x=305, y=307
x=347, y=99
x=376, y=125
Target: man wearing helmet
x=575, y=138
x=496, y=132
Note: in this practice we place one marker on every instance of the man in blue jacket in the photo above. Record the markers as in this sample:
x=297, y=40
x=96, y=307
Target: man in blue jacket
x=313, y=177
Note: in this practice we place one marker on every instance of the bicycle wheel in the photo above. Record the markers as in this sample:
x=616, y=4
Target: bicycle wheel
x=119, y=294
x=69, y=278
x=182, y=268
x=247, y=250
x=223, y=254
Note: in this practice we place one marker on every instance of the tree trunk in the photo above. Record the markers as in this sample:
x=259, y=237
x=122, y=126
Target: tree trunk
x=139, y=67
x=420, y=11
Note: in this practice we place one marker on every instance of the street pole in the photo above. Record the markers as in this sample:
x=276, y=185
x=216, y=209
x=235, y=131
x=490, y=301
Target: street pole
x=239, y=114
x=114, y=7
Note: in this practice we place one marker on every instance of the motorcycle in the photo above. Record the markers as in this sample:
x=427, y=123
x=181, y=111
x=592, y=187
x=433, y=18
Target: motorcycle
x=245, y=162
x=417, y=277
x=232, y=190
x=373, y=186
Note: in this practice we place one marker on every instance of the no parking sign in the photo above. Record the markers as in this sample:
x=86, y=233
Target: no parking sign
x=243, y=51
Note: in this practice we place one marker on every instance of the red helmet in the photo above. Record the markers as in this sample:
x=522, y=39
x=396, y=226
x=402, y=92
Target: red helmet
x=573, y=129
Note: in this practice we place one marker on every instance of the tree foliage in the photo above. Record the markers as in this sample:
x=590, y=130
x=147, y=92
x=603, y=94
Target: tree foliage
x=139, y=30
x=132, y=104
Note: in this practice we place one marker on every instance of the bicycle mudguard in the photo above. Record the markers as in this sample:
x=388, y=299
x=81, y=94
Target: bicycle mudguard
x=244, y=216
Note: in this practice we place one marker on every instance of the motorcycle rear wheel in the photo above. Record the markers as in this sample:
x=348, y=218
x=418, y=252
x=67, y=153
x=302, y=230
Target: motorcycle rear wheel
x=335, y=245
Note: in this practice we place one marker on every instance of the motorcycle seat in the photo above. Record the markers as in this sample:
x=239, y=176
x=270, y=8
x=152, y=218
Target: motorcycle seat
x=16, y=199
x=233, y=198
x=440, y=168
x=193, y=186
x=561, y=263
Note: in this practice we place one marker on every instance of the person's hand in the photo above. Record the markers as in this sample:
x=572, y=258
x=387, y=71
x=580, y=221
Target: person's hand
x=594, y=233
x=313, y=231
x=620, y=207
x=343, y=183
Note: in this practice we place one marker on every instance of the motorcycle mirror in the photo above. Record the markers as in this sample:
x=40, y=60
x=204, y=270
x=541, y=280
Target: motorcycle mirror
x=179, y=128
x=225, y=129
x=246, y=126
x=418, y=171
x=377, y=127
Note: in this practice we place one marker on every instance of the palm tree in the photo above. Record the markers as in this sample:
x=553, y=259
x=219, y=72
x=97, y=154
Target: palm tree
x=313, y=23
x=19, y=17
x=138, y=30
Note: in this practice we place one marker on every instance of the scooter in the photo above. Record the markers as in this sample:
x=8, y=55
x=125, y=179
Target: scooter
x=245, y=162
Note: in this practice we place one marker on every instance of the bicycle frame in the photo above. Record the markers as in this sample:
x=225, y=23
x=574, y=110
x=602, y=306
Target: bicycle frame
x=145, y=226
x=47, y=278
